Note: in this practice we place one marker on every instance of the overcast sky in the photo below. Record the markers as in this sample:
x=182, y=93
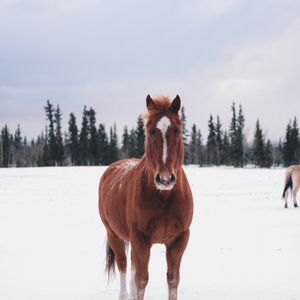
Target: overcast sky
x=110, y=54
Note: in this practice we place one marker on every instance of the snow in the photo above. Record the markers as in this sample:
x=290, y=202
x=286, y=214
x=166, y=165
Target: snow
x=243, y=245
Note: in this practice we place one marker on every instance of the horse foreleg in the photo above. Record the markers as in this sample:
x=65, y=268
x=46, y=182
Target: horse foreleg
x=174, y=255
x=140, y=258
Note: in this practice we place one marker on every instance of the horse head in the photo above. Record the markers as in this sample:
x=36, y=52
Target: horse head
x=164, y=149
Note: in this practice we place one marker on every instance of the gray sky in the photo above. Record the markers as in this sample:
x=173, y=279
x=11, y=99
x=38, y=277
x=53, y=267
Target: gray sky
x=110, y=54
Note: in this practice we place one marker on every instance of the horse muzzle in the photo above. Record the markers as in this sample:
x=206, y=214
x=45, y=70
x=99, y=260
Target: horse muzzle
x=165, y=181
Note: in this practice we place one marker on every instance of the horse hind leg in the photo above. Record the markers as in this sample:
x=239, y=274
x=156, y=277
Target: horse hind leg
x=295, y=191
x=118, y=247
x=286, y=199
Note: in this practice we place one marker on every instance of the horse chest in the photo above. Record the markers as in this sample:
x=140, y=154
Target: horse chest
x=163, y=228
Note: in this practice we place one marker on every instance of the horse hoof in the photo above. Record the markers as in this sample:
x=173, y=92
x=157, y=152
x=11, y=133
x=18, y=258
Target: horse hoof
x=295, y=205
x=285, y=206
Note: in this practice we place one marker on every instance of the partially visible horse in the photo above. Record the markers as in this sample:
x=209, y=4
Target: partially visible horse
x=148, y=200
x=292, y=183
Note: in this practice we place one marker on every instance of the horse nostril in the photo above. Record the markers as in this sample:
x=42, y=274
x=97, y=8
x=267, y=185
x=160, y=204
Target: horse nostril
x=157, y=178
x=172, y=178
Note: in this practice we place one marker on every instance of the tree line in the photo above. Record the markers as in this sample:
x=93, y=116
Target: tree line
x=93, y=144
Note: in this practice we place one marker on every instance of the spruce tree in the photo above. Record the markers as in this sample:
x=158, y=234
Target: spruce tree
x=296, y=141
x=278, y=153
x=240, y=137
x=140, y=137
x=113, y=154
x=6, y=146
x=237, y=137
x=125, y=143
x=103, y=145
x=291, y=145
x=46, y=158
x=18, y=146
x=51, y=133
x=193, y=146
x=84, y=139
x=226, y=150
x=73, y=142
x=94, y=138
x=199, y=149
x=185, y=137
x=59, y=148
x=219, y=141
x=268, y=154
x=211, y=142
x=258, y=146
x=132, y=144
x=1, y=151
x=233, y=136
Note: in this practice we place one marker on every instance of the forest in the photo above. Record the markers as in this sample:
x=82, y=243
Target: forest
x=92, y=144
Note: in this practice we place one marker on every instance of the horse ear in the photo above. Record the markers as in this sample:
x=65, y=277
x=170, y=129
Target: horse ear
x=175, y=106
x=150, y=103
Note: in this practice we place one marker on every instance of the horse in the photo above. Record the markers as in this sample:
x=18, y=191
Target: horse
x=148, y=201
x=292, y=183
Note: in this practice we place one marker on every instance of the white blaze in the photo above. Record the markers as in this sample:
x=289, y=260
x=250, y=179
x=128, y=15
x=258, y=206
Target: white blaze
x=163, y=125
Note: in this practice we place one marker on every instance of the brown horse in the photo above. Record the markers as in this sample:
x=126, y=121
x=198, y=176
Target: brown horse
x=292, y=183
x=148, y=200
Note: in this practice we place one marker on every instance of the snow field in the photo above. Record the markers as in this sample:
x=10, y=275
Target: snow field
x=243, y=243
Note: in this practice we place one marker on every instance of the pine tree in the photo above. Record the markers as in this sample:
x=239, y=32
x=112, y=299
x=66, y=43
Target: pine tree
x=291, y=144
x=237, y=137
x=113, y=154
x=132, y=144
x=1, y=151
x=199, y=147
x=211, y=142
x=73, y=142
x=240, y=137
x=51, y=133
x=84, y=139
x=18, y=145
x=194, y=144
x=268, y=154
x=233, y=136
x=94, y=138
x=219, y=141
x=39, y=148
x=226, y=150
x=103, y=145
x=185, y=137
x=140, y=137
x=125, y=143
x=46, y=158
x=259, y=146
x=278, y=153
x=6, y=146
x=296, y=141
x=59, y=148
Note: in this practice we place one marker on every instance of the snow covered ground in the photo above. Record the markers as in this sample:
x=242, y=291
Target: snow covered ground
x=244, y=244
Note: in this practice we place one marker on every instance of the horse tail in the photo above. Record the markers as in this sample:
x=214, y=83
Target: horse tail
x=110, y=260
x=288, y=181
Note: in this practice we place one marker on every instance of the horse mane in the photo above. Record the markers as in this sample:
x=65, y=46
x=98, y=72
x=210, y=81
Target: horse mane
x=162, y=105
